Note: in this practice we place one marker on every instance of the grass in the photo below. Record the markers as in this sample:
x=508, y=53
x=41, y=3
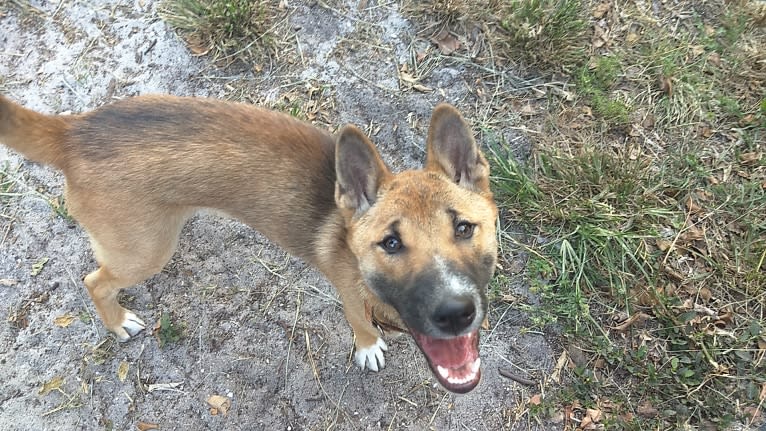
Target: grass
x=226, y=29
x=647, y=185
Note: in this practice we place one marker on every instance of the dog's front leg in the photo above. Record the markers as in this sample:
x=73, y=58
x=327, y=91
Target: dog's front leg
x=367, y=338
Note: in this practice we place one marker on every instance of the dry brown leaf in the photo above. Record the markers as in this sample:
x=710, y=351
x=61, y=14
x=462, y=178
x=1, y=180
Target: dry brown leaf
x=691, y=205
x=146, y=426
x=693, y=233
x=51, y=385
x=446, y=42
x=422, y=88
x=697, y=50
x=706, y=131
x=560, y=364
x=638, y=317
x=648, y=122
x=750, y=158
x=666, y=84
x=591, y=418
x=715, y=58
x=485, y=324
x=663, y=244
x=632, y=38
x=527, y=110
x=762, y=344
x=536, y=399
x=122, y=370
x=705, y=294
x=219, y=405
x=65, y=320
x=601, y=9
x=647, y=410
x=762, y=395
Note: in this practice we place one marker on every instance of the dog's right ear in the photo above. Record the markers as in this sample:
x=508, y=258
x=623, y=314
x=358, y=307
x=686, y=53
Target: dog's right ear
x=359, y=171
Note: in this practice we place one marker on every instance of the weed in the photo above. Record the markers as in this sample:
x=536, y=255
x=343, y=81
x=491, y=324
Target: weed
x=168, y=331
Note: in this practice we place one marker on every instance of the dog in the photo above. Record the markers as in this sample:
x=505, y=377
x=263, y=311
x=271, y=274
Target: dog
x=413, y=251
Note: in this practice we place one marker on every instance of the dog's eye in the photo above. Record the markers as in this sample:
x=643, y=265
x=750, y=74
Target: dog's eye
x=391, y=244
x=464, y=230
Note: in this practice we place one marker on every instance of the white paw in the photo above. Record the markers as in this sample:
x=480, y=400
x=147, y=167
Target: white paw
x=372, y=357
x=130, y=326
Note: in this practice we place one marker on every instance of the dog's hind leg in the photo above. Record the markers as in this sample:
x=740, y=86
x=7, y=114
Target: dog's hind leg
x=128, y=249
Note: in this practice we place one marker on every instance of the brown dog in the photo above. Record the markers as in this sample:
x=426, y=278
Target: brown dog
x=413, y=250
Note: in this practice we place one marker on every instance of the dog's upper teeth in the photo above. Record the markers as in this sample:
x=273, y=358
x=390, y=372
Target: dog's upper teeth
x=475, y=366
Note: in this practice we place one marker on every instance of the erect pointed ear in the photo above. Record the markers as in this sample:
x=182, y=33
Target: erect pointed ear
x=453, y=151
x=359, y=171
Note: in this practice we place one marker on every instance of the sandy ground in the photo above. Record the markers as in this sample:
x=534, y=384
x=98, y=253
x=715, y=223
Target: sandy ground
x=260, y=328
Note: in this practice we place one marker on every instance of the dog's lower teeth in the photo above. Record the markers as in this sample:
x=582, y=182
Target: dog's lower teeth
x=443, y=372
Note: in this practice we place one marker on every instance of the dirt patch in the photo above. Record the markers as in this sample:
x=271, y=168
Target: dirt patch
x=259, y=327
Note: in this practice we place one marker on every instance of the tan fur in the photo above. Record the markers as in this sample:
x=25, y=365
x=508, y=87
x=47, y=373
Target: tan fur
x=138, y=169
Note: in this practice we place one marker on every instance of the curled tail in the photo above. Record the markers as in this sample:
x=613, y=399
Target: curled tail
x=36, y=136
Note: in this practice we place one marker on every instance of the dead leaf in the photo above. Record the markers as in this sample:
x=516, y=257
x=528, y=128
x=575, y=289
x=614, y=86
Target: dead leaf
x=663, y=244
x=632, y=38
x=560, y=364
x=693, y=233
x=601, y=9
x=715, y=58
x=122, y=370
x=446, y=42
x=762, y=396
x=65, y=320
x=219, y=405
x=705, y=294
x=692, y=205
x=647, y=410
x=527, y=110
x=38, y=266
x=146, y=426
x=51, y=385
x=422, y=88
x=485, y=324
x=8, y=282
x=648, y=122
x=536, y=399
x=638, y=317
x=697, y=50
x=706, y=131
x=750, y=158
x=666, y=84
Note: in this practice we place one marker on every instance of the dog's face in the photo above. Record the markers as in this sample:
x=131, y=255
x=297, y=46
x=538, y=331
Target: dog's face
x=425, y=241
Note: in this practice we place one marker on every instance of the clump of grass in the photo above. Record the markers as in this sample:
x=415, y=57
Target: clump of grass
x=544, y=33
x=541, y=33
x=231, y=29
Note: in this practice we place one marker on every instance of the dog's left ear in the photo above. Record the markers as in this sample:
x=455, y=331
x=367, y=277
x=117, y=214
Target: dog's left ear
x=453, y=151
x=359, y=171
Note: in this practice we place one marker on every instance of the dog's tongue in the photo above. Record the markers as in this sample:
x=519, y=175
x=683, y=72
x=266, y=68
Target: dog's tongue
x=454, y=361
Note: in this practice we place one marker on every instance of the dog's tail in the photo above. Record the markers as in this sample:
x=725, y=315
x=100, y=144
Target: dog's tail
x=36, y=136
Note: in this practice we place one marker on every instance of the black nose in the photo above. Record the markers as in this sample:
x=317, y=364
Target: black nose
x=454, y=314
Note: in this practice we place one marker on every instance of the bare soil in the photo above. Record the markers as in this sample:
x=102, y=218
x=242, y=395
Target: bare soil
x=260, y=328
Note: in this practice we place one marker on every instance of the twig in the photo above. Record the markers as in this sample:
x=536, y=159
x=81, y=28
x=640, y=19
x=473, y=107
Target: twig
x=515, y=377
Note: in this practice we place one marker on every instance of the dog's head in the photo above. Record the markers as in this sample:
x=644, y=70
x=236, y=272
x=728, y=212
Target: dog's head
x=425, y=240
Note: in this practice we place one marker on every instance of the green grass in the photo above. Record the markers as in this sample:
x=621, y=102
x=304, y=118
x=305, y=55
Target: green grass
x=646, y=194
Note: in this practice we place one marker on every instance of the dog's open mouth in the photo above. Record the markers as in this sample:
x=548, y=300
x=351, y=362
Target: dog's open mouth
x=454, y=361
